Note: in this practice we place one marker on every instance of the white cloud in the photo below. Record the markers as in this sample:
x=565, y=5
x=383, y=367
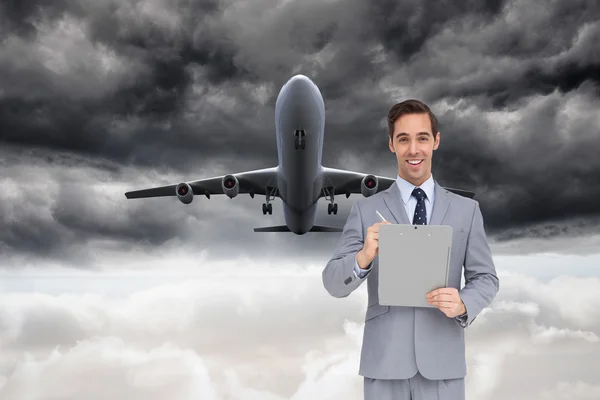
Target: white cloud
x=570, y=391
x=549, y=335
x=267, y=331
x=107, y=367
x=533, y=336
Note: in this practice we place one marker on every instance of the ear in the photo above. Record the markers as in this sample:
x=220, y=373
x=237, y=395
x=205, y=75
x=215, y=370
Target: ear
x=436, y=144
x=391, y=145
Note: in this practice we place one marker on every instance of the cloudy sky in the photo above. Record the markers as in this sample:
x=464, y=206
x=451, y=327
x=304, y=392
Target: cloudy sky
x=102, y=297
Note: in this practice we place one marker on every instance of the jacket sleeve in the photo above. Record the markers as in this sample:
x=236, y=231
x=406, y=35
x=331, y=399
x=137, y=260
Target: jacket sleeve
x=338, y=276
x=481, y=280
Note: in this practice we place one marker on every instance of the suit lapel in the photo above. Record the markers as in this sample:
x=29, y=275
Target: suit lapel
x=440, y=205
x=394, y=202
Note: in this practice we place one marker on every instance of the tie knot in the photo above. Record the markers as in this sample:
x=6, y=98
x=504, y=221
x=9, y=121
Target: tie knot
x=419, y=193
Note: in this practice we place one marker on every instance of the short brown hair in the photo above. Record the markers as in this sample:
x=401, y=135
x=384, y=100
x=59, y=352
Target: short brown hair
x=410, y=106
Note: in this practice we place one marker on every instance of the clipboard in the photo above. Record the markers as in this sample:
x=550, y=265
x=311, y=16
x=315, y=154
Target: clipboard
x=413, y=260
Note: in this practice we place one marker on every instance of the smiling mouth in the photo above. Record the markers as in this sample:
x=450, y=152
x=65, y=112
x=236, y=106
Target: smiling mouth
x=414, y=162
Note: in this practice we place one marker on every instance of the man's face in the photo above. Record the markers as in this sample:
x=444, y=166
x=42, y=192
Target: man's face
x=413, y=141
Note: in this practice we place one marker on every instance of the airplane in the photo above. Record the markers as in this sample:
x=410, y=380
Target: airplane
x=299, y=179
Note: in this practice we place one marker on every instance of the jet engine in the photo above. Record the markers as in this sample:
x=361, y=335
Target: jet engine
x=368, y=186
x=230, y=185
x=185, y=194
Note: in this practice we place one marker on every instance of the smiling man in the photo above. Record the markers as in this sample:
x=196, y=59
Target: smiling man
x=415, y=353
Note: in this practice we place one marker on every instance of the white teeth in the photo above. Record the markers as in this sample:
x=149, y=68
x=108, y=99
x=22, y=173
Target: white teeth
x=414, y=162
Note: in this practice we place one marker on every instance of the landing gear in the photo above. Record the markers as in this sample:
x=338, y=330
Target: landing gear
x=299, y=143
x=332, y=207
x=268, y=207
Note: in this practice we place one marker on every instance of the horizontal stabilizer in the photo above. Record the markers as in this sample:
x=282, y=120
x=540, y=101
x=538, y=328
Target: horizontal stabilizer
x=277, y=228
x=320, y=228
x=284, y=228
x=461, y=192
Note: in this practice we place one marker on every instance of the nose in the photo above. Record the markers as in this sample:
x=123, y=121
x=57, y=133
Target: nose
x=413, y=148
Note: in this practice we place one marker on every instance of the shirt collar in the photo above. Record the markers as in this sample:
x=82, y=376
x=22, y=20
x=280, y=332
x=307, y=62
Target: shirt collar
x=406, y=188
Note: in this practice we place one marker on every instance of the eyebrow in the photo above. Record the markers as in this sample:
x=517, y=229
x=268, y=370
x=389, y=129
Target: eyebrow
x=418, y=134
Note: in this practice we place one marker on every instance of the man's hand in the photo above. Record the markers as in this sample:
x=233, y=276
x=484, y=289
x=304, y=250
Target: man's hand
x=448, y=301
x=371, y=247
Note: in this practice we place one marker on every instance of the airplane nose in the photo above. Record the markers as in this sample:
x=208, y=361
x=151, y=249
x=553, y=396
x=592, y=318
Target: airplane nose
x=300, y=82
x=301, y=96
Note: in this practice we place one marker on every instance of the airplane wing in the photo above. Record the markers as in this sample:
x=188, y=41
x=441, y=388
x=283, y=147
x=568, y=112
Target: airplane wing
x=251, y=182
x=339, y=181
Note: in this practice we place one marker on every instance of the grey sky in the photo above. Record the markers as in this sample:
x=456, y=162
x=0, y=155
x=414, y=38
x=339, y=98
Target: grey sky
x=148, y=93
x=146, y=298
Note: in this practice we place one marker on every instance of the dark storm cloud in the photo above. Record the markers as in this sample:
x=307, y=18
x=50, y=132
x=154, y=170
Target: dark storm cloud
x=18, y=17
x=538, y=172
x=187, y=90
x=157, y=61
x=527, y=50
x=57, y=208
x=404, y=26
x=56, y=215
x=168, y=71
x=571, y=227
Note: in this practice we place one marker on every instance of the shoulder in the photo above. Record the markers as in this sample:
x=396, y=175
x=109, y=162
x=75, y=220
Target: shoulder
x=462, y=202
x=370, y=201
x=365, y=206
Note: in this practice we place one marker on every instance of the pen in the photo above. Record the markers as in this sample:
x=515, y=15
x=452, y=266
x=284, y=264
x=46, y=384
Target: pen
x=380, y=216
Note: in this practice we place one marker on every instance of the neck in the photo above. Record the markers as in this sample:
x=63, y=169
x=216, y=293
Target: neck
x=415, y=182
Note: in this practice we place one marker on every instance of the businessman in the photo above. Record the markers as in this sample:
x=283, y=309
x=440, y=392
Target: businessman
x=415, y=353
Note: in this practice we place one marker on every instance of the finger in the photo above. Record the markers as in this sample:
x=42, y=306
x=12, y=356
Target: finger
x=375, y=226
x=378, y=225
x=443, y=296
x=442, y=304
x=442, y=291
x=373, y=235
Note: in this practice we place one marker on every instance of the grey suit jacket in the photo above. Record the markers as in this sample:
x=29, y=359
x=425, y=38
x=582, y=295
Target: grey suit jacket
x=399, y=341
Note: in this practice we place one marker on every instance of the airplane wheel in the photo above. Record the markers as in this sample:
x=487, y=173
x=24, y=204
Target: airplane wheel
x=335, y=208
x=270, y=208
x=329, y=208
x=302, y=143
x=264, y=208
x=297, y=143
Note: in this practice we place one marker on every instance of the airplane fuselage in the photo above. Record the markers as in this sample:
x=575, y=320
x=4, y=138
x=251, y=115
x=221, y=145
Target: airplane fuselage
x=300, y=125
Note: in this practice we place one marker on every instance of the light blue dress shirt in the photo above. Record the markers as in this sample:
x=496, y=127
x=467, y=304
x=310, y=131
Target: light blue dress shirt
x=410, y=202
